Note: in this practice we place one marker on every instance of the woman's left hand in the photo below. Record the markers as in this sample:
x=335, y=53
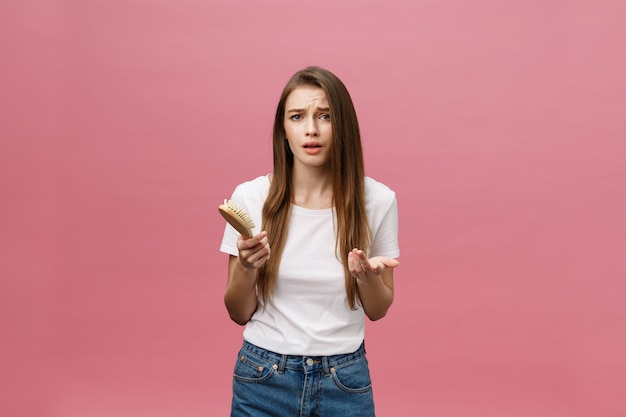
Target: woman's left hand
x=364, y=269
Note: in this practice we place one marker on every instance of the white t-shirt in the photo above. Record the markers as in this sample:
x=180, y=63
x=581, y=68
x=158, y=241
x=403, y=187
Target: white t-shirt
x=308, y=314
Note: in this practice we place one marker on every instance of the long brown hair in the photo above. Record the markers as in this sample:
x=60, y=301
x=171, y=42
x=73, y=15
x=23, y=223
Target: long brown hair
x=347, y=173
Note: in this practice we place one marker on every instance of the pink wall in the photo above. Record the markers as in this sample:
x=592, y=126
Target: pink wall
x=500, y=124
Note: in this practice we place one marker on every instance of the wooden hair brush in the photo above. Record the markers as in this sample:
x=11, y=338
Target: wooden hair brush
x=238, y=217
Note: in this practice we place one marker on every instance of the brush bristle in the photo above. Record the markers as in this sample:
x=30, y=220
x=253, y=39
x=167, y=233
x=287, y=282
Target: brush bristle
x=240, y=211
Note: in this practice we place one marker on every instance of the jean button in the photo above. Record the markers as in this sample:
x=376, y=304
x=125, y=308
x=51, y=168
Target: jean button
x=309, y=362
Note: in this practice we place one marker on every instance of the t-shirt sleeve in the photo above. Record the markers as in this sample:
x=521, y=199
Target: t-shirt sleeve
x=385, y=234
x=229, y=240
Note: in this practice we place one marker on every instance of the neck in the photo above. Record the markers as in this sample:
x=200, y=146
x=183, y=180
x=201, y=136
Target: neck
x=312, y=189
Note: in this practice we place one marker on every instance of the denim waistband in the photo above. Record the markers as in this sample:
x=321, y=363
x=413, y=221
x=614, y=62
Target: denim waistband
x=307, y=363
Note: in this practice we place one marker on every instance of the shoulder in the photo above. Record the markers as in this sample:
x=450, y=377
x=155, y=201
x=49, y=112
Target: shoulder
x=379, y=198
x=377, y=191
x=251, y=195
x=254, y=187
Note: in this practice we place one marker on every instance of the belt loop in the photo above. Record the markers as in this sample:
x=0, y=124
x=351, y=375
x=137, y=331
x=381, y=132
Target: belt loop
x=325, y=365
x=281, y=366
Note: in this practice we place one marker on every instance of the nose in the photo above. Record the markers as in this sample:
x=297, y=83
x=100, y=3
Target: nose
x=311, y=127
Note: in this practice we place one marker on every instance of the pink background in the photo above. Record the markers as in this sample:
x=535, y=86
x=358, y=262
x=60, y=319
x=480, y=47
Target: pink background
x=500, y=124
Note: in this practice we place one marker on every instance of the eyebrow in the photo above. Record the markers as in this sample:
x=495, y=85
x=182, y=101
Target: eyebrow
x=303, y=110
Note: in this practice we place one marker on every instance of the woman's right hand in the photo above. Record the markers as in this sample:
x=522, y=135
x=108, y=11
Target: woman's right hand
x=253, y=252
x=240, y=296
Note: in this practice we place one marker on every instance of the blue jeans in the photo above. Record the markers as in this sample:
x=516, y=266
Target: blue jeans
x=267, y=384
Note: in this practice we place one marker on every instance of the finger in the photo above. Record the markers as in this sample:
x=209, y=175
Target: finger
x=356, y=260
x=363, y=264
x=353, y=264
x=262, y=249
x=258, y=262
x=257, y=255
x=367, y=266
x=377, y=268
x=255, y=259
x=246, y=247
x=362, y=257
x=262, y=260
x=253, y=241
x=390, y=262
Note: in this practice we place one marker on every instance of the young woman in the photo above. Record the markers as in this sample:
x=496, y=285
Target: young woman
x=321, y=261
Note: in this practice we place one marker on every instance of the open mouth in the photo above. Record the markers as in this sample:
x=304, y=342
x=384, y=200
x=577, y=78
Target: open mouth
x=311, y=145
x=312, y=148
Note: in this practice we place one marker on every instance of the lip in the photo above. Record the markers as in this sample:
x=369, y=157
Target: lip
x=312, y=147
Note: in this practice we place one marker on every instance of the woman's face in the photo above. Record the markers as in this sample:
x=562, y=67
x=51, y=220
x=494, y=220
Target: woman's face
x=308, y=126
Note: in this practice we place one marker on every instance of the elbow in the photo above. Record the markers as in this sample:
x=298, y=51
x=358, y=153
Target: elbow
x=376, y=315
x=236, y=312
x=238, y=316
x=239, y=319
x=376, y=311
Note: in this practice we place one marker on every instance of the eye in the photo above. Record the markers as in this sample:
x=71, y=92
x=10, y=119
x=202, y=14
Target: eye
x=295, y=117
x=325, y=116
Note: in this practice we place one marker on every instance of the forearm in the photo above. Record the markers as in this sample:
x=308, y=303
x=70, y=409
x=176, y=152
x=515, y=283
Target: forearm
x=240, y=296
x=374, y=279
x=376, y=297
